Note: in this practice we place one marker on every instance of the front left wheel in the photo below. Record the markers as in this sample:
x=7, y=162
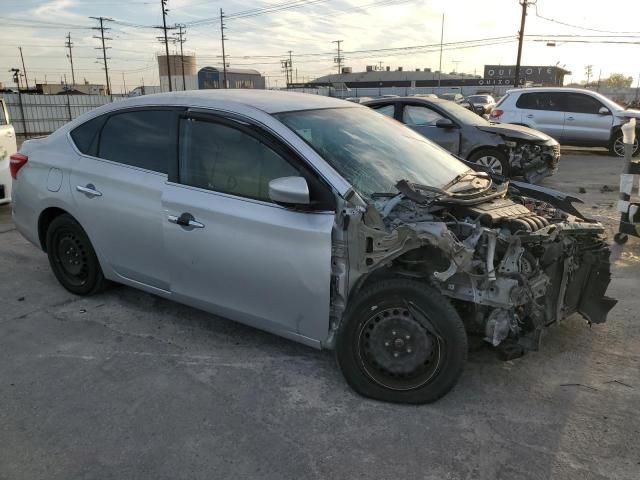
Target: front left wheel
x=401, y=341
x=72, y=257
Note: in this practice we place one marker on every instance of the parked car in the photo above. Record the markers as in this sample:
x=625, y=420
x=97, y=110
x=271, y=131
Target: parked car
x=7, y=147
x=358, y=99
x=573, y=116
x=452, y=97
x=486, y=102
x=312, y=218
x=508, y=150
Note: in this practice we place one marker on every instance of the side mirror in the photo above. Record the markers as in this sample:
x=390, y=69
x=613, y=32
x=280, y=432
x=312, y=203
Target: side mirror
x=289, y=191
x=445, y=123
x=604, y=111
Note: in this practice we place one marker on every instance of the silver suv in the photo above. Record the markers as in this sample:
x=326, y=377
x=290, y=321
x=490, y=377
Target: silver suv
x=313, y=218
x=573, y=116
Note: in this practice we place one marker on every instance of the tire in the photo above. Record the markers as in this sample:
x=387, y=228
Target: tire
x=72, y=257
x=401, y=341
x=616, y=147
x=490, y=156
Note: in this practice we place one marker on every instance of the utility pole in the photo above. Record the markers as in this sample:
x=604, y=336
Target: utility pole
x=124, y=85
x=441, y=41
x=104, y=48
x=290, y=67
x=588, y=70
x=180, y=39
x=24, y=70
x=524, y=4
x=338, y=60
x=165, y=11
x=69, y=45
x=224, y=58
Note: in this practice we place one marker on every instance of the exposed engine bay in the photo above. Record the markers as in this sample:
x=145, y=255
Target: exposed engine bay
x=512, y=258
x=535, y=161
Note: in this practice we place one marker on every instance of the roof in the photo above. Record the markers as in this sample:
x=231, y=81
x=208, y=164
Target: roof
x=245, y=71
x=269, y=101
x=551, y=89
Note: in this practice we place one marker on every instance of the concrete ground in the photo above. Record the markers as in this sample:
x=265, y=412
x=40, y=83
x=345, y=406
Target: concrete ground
x=127, y=385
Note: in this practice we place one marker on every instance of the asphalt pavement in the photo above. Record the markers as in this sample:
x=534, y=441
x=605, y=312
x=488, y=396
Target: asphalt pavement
x=127, y=385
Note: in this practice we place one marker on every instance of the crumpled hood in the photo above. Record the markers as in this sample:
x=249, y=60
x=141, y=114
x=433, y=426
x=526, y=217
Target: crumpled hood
x=516, y=131
x=630, y=113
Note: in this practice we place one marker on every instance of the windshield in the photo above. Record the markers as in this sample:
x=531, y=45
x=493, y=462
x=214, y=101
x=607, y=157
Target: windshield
x=371, y=151
x=462, y=115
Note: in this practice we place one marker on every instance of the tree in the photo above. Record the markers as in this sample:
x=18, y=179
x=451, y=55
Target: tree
x=617, y=80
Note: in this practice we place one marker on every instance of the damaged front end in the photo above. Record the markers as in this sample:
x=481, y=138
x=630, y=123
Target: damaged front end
x=512, y=260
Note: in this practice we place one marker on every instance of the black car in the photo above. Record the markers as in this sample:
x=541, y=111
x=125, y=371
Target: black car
x=508, y=150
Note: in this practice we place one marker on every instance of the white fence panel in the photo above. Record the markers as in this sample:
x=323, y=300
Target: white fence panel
x=44, y=114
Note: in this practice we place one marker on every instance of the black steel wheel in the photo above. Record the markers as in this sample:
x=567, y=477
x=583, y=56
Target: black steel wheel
x=401, y=341
x=72, y=258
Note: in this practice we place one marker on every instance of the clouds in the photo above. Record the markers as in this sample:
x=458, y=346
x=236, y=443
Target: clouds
x=260, y=41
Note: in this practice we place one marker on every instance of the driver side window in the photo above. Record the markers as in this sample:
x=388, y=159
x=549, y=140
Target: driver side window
x=218, y=157
x=420, y=116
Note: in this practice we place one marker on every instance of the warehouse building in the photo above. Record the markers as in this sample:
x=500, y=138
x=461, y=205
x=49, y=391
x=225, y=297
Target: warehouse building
x=213, y=77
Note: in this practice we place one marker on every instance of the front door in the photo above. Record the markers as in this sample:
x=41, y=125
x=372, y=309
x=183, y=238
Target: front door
x=243, y=256
x=424, y=121
x=7, y=148
x=118, y=191
x=584, y=123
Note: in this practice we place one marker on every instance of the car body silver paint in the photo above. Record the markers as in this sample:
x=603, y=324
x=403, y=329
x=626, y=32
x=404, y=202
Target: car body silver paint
x=255, y=262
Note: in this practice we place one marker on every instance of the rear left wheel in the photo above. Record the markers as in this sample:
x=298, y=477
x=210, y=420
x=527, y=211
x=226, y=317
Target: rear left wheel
x=401, y=341
x=72, y=258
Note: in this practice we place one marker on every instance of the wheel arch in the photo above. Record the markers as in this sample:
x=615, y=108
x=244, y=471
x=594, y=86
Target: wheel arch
x=44, y=220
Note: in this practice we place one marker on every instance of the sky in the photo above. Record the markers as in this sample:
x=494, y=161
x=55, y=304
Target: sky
x=259, y=42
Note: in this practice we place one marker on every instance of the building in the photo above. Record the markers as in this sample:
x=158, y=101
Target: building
x=183, y=72
x=387, y=78
x=77, y=89
x=212, y=77
x=539, y=76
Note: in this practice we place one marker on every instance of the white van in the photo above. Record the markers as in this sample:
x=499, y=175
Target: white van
x=8, y=147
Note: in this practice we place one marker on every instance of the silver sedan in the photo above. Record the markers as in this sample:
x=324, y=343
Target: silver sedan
x=312, y=218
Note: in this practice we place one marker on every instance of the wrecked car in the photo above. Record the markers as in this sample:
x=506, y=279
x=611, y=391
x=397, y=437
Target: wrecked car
x=315, y=219
x=508, y=150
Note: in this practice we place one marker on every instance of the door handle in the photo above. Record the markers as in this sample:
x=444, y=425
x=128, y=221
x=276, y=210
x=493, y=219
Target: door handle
x=571, y=119
x=89, y=190
x=185, y=220
x=530, y=116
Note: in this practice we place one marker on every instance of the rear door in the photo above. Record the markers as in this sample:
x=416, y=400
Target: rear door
x=584, y=123
x=117, y=185
x=247, y=258
x=8, y=147
x=424, y=120
x=543, y=111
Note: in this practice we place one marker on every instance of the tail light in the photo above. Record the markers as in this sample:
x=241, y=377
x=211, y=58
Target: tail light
x=16, y=162
x=497, y=113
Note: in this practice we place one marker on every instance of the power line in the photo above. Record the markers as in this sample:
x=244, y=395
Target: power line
x=102, y=29
x=581, y=27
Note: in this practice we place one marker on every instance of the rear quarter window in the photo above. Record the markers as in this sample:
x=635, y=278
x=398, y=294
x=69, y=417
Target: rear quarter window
x=86, y=135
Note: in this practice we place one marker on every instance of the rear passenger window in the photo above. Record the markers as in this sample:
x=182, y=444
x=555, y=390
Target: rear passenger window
x=143, y=138
x=224, y=159
x=387, y=110
x=541, y=101
x=86, y=135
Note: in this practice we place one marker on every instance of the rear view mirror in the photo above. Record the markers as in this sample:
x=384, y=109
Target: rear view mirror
x=604, y=111
x=444, y=123
x=289, y=191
